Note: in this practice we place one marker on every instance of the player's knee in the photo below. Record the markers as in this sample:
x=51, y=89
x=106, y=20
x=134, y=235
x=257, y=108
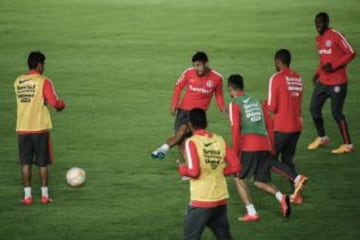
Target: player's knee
x=258, y=184
x=315, y=111
x=337, y=115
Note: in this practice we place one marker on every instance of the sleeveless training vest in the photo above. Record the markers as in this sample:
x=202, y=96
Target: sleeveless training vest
x=32, y=113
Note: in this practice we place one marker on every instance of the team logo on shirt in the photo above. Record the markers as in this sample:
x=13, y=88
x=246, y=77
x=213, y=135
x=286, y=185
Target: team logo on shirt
x=209, y=83
x=337, y=89
x=23, y=81
x=328, y=43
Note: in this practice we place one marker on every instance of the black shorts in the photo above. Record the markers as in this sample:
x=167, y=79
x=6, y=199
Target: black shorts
x=255, y=164
x=196, y=219
x=35, y=148
x=182, y=118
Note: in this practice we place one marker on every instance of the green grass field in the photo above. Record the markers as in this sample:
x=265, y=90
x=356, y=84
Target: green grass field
x=115, y=63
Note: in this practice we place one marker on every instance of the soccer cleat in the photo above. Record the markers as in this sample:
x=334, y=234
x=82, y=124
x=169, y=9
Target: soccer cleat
x=285, y=206
x=26, y=201
x=299, y=186
x=249, y=218
x=319, y=141
x=157, y=154
x=45, y=200
x=344, y=148
x=296, y=199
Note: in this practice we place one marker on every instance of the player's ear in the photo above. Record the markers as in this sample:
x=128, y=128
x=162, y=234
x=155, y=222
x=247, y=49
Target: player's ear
x=40, y=67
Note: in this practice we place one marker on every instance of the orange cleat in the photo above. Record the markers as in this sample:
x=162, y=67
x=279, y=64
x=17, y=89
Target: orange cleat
x=319, y=141
x=299, y=186
x=296, y=199
x=344, y=148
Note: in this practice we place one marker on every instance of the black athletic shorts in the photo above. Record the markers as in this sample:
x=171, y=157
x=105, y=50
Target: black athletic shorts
x=196, y=219
x=255, y=164
x=182, y=118
x=35, y=148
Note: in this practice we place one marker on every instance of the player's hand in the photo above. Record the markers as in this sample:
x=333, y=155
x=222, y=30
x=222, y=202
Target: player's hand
x=264, y=103
x=172, y=110
x=327, y=67
x=315, y=79
x=178, y=162
x=225, y=111
x=60, y=105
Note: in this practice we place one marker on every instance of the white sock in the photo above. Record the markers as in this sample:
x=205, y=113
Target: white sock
x=251, y=209
x=279, y=196
x=164, y=148
x=297, y=178
x=27, y=192
x=44, y=192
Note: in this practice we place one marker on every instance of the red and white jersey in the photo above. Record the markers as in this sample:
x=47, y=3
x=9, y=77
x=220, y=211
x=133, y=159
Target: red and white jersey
x=198, y=90
x=333, y=48
x=284, y=100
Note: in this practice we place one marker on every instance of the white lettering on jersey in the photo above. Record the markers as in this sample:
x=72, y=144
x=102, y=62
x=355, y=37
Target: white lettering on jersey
x=325, y=51
x=295, y=85
x=201, y=90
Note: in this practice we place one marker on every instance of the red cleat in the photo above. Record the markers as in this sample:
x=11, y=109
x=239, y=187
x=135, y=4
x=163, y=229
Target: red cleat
x=285, y=206
x=249, y=218
x=45, y=200
x=26, y=201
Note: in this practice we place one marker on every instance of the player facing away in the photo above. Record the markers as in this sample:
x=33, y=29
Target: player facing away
x=33, y=93
x=331, y=81
x=284, y=103
x=252, y=144
x=208, y=160
x=200, y=83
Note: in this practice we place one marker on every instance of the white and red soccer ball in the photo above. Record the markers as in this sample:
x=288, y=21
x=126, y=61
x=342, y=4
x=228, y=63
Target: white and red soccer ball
x=75, y=176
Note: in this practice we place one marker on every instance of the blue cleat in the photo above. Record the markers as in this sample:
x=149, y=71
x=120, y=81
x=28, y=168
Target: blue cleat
x=157, y=155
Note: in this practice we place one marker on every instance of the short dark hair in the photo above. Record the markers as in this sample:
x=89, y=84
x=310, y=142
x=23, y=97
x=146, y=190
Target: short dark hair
x=284, y=56
x=35, y=57
x=200, y=56
x=198, y=118
x=323, y=16
x=236, y=82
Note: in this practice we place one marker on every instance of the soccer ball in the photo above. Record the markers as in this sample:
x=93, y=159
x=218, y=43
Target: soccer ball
x=75, y=176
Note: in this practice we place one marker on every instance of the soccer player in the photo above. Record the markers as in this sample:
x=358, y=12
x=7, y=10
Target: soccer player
x=251, y=142
x=284, y=102
x=331, y=81
x=208, y=161
x=33, y=93
x=200, y=83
